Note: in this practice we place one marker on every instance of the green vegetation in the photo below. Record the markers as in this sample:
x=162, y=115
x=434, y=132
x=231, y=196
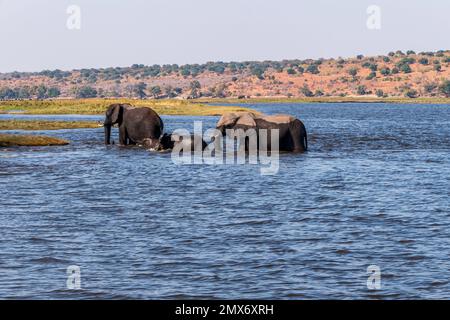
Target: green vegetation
x=45, y=125
x=341, y=99
x=445, y=88
x=13, y=140
x=99, y=106
x=306, y=92
x=411, y=94
x=27, y=92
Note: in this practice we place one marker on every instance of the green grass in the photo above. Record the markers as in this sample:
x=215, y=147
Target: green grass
x=99, y=106
x=13, y=140
x=45, y=125
x=399, y=100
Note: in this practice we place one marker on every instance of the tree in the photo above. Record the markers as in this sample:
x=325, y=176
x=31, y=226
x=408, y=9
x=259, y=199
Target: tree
x=139, y=90
x=430, y=87
x=405, y=68
x=7, y=93
x=353, y=72
x=305, y=91
x=411, y=93
x=41, y=92
x=195, y=87
x=379, y=93
x=24, y=93
x=385, y=71
x=423, y=61
x=291, y=71
x=318, y=93
x=85, y=92
x=53, y=92
x=361, y=90
x=155, y=91
x=313, y=69
x=371, y=75
x=444, y=88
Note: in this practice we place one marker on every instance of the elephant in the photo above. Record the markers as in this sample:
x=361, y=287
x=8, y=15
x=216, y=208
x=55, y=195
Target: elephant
x=136, y=125
x=292, y=132
x=170, y=141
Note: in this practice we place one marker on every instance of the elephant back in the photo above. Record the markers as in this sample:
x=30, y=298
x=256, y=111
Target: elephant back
x=279, y=118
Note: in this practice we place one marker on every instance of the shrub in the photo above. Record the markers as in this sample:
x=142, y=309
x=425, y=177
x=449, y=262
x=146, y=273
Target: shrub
x=405, y=68
x=395, y=70
x=306, y=92
x=444, y=88
x=386, y=59
x=312, y=68
x=318, y=93
x=156, y=91
x=359, y=56
x=430, y=87
x=371, y=76
x=353, y=72
x=437, y=67
x=85, y=92
x=53, y=92
x=409, y=52
x=379, y=93
x=423, y=61
x=291, y=71
x=385, y=71
x=361, y=90
x=411, y=93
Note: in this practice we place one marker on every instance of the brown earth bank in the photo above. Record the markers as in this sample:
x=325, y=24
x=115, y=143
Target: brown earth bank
x=394, y=75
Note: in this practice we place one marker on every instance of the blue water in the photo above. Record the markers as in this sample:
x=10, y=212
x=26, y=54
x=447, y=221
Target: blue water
x=373, y=190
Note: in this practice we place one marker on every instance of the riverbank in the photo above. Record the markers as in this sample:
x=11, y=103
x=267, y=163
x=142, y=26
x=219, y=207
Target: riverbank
x=397, y=100
x=99, y=106
x=14, y=140
x=45, y=125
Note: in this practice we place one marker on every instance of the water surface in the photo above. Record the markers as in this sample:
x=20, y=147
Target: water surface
x=373, y=190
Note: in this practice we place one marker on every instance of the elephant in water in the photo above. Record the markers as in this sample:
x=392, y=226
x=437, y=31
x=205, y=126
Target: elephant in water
x=171, y=141
x=292, y=132
x=136, y=125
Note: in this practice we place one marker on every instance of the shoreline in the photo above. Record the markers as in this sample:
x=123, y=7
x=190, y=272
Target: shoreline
x=320, y=100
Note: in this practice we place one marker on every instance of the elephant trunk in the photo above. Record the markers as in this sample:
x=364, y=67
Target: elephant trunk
x=306, y=141
x=107, y=134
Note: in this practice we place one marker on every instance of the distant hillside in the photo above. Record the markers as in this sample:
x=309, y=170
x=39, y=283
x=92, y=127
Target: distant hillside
x=398, y=74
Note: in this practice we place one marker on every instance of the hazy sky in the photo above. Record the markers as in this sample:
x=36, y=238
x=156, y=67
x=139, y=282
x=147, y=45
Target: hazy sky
x=34, y=35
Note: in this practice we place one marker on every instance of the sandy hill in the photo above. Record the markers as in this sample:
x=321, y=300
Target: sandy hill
x=396, y=74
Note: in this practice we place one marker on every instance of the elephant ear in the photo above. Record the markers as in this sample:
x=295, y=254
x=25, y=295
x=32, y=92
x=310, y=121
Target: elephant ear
x=247, y=120
x=116, y=113
x=227, y=119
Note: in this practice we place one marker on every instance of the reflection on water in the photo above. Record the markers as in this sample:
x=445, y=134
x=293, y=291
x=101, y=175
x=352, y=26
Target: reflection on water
x=374, y=189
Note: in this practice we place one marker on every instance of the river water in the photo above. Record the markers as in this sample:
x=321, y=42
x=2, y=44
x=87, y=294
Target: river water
x=372, y=190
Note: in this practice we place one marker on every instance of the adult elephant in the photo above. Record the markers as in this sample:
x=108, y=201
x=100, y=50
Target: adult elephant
x=136, y=125
x=292, y=132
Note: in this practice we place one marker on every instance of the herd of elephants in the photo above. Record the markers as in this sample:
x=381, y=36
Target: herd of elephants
x=143, y=126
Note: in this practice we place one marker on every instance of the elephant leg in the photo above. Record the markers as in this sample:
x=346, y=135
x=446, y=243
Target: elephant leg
x=123, y=139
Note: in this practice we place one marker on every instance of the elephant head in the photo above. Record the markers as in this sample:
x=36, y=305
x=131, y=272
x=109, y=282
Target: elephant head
x=232, y=119
x=113, y=115
x=165, y=142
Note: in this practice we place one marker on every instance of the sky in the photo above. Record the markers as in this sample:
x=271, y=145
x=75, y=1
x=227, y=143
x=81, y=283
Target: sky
x=35, y=35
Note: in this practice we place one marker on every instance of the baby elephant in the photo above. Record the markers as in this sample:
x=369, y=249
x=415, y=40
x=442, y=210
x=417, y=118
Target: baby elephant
x=170, y=141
